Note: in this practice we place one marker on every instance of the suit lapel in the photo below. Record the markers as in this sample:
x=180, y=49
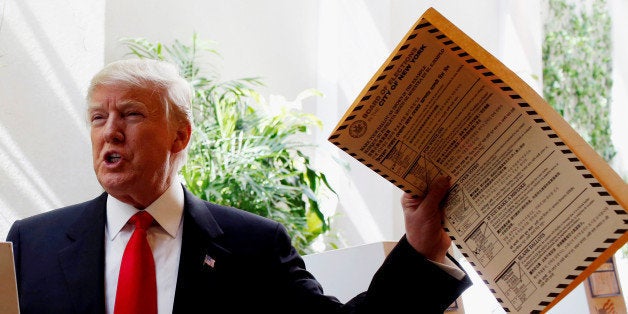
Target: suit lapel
x=83, y=260
x=199, y=255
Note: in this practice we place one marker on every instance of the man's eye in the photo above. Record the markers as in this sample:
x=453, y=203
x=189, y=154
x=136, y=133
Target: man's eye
x=134, y=114
x=97, y=118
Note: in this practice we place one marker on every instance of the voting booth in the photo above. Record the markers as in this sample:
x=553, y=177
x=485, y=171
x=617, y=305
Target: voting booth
x=346, y=272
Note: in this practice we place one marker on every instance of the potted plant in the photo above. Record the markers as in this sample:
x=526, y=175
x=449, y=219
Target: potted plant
x=245, y=152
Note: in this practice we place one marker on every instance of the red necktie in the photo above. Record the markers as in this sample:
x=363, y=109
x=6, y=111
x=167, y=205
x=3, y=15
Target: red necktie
x=137, y=286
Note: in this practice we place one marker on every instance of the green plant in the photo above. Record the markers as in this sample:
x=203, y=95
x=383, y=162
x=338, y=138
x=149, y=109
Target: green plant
x=245, y=152
x=577, y=68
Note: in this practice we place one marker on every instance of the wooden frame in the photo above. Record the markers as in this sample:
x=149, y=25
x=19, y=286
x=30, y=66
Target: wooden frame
x=603, y=281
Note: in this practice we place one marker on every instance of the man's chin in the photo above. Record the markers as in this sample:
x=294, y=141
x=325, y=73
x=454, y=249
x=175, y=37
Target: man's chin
x=114, y=184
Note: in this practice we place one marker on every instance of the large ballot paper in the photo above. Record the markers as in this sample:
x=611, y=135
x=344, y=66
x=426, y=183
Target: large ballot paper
x=533, y=207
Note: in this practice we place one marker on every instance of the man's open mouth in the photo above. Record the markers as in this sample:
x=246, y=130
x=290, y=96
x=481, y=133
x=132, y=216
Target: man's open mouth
x=112, y=158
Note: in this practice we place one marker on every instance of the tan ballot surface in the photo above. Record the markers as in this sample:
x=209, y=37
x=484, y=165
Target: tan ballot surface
x=8, y=287
x=533, y=207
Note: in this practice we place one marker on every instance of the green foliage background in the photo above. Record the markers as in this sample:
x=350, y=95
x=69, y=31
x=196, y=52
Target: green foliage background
x=243, y=152
x=577, y=68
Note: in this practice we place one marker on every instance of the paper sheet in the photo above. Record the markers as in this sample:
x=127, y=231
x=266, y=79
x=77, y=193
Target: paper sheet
x=533, y=208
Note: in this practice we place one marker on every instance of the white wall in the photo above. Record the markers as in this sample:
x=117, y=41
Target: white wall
x=272, y=38
x=50, y=49
x=355, y=37
x=334, y=46
x=619, y=108
x=48, y=52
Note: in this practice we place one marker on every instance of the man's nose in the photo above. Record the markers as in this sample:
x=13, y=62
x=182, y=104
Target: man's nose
x=114, y=129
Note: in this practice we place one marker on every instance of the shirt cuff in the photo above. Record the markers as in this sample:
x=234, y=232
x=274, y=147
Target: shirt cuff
x=449, y=267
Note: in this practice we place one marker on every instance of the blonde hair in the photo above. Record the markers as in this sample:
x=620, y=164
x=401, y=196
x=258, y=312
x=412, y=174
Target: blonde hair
x=175, y=91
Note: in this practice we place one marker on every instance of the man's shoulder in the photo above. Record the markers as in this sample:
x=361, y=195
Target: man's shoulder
x=56, y=223
x=229, y=217
x=223, y=212
x=239, y=231
x=66, y=213
x=239, y=218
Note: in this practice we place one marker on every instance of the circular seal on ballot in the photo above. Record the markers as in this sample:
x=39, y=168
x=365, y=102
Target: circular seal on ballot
x=357, y=128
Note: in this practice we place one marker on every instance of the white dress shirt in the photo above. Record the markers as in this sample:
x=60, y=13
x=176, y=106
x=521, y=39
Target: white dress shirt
x=164, y=238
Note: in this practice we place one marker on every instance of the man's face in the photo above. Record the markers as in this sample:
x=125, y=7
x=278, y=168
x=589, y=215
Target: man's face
x=133, y=145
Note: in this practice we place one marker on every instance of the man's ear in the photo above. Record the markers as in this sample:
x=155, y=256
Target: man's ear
x=182, y=137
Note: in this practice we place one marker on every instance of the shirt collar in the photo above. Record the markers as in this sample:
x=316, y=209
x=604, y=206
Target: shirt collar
x=167, y=211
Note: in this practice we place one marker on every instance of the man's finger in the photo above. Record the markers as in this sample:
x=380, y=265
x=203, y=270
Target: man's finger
x=409, y=201
x=437, y=191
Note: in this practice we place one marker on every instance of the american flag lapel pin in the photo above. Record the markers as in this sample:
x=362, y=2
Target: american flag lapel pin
x=209, y=261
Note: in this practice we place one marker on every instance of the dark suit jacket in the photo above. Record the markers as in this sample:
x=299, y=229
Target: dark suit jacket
x=60, y=267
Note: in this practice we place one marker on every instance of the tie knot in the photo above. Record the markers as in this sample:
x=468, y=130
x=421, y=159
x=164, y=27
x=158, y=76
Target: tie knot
x=141, y=220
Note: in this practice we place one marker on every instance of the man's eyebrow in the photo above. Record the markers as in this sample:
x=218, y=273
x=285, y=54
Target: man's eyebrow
x=92, y=106
x=123, y=104
x=130, y=103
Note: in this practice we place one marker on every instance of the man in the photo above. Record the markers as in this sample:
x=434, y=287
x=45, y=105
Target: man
x=208, y=258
